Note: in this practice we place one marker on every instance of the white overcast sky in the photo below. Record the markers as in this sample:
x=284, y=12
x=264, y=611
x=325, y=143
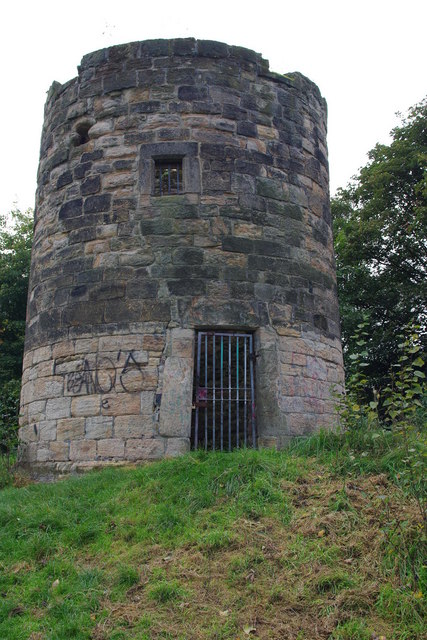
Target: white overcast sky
x=367, y=57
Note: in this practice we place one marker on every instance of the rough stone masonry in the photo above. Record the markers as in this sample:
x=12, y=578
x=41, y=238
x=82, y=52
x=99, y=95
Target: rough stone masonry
x=123, y=278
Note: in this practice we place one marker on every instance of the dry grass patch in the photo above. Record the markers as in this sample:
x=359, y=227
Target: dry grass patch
x=307, y=580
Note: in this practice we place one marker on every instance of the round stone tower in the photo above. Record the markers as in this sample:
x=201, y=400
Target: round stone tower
x=182, y=288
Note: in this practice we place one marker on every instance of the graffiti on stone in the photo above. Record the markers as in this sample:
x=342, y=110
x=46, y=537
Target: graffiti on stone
x=103, y=375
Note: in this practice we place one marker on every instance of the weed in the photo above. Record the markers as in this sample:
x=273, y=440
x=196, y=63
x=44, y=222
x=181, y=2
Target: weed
x=277, y=594
x=340, y=502
x=333, y=582
x=215, y=539
x=163, y=591
x=6, y=465
x=166, y=520
x=402, y=404
x=353, y=630
x=84, y=534
x=9, y=409
x=224, y=629
x=402, y=606
x=302, y=550
x=127, y=576
x=241, y=568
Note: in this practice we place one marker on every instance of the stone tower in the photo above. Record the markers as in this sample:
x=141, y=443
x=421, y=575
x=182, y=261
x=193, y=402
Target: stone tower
x=182, y=288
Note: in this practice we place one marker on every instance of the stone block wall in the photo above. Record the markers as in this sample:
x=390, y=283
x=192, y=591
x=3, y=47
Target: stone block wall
x=122, y=279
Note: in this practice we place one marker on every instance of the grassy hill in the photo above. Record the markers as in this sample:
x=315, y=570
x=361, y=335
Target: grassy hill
x=253, y=544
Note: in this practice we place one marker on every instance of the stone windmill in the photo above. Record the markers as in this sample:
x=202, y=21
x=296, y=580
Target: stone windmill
x=183, y=286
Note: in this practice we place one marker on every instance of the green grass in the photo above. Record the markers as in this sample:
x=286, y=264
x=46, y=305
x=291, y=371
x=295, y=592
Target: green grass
x=205, y=546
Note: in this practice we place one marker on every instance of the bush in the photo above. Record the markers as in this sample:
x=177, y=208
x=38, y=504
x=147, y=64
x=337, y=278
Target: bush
x=9, y=410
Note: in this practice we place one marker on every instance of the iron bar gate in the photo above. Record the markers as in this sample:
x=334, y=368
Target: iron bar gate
x=224, y=398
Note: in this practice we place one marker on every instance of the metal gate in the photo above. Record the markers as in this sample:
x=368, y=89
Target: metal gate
x=224, y=391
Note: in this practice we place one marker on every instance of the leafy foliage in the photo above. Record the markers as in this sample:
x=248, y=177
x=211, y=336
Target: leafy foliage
x=380, y=228
x=9, y=408
x=353, y=411
x=406, y=414
x=15, y=255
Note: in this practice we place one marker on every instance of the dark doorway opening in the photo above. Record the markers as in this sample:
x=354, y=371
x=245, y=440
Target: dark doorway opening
x=224, y=391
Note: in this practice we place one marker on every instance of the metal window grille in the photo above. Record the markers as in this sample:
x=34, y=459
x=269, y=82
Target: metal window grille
x=224, y=396
x=168, y=177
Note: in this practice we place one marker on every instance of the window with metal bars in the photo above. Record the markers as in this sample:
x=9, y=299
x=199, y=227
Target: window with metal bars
x=168, y=177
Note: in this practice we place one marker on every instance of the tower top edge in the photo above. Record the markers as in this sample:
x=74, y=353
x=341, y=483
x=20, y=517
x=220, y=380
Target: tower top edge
x=183, y=47
x=174, y=47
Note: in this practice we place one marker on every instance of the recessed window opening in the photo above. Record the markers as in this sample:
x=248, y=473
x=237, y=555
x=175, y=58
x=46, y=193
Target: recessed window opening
x=82, y=131
x=168, y=177
x=224, y=391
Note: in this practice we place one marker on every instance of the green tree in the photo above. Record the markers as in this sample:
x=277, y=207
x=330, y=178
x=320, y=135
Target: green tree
x=16, y=233
x=380, y=227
